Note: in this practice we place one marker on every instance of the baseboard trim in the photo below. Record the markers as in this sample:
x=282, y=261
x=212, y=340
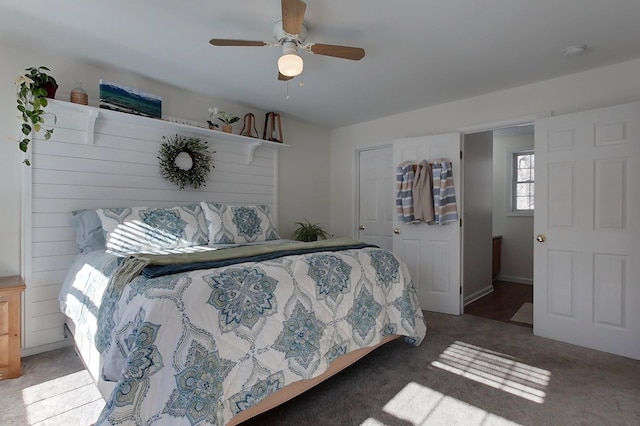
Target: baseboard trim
x=478, y=294
x=514, y=279
x=45, y=348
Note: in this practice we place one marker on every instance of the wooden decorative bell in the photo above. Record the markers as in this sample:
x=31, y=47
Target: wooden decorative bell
x=270, y=133
x=249, y=123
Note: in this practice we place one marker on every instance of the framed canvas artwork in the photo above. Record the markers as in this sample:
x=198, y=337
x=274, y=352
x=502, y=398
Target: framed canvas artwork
x=132, y=101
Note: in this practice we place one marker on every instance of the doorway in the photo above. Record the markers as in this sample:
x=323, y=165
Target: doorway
x=498, y=237
x=374, y=212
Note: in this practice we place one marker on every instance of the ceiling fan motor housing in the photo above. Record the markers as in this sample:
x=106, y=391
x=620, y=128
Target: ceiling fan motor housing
x=289, y=48
x=281, y=36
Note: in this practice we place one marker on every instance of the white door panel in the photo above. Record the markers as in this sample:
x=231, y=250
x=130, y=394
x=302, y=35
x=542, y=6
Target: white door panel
x=375, y=197
x=431, y=252
x=587, y=271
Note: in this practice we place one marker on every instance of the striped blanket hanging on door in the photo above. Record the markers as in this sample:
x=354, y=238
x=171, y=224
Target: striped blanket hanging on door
x=444, y=195
x=404, y=193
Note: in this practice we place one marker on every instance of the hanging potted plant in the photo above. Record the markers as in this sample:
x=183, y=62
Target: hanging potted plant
x=33, y=89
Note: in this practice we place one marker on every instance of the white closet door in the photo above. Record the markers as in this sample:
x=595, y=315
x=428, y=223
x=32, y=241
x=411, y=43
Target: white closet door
x=375, y=197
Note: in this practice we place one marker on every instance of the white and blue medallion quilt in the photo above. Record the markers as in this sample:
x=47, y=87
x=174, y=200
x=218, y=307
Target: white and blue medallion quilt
x=199, y=346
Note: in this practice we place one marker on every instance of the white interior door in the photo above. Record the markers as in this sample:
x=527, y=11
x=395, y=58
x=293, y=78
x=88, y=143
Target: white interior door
x=431, y=252
x=375, y=197
x=587, y=269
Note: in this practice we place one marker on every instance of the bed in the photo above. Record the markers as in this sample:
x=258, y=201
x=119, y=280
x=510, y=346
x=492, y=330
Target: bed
x=202, y=314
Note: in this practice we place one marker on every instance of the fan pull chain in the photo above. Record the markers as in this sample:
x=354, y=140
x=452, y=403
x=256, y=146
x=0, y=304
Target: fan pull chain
x=301, y=84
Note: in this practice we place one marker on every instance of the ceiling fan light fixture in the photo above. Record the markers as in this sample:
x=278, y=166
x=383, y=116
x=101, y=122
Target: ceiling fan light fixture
x=290, y=64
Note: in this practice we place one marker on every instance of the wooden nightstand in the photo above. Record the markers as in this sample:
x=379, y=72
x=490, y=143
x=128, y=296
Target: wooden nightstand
x=10, y=289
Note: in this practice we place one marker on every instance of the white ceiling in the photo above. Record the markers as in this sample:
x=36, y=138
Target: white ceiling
x=418, y=52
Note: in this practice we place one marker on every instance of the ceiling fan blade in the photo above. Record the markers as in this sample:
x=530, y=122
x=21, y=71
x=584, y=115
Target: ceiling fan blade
x=292, y=15
x=231, y=42
x=283, y=77
x=344, y=52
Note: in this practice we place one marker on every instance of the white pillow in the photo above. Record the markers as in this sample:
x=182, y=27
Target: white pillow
x=134, y=229
x=239, y=223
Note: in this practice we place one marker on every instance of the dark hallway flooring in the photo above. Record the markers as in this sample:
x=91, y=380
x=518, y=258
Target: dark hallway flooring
x=502, y=303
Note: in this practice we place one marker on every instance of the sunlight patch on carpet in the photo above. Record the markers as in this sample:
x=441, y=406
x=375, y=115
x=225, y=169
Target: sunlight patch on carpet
x=72, y=395
x=420, y=405
x=372, y=422
x=494, y=369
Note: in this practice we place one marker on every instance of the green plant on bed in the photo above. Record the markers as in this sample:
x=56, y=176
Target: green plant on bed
x=307, y=231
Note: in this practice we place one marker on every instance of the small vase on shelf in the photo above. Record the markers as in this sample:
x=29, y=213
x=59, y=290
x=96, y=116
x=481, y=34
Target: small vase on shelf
x=227, y=128
x=212, y=126
x=79, y=95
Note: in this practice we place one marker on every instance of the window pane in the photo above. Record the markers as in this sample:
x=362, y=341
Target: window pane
x=522, y=189
x=522, y=203
x=524, y=161
x=524, y=175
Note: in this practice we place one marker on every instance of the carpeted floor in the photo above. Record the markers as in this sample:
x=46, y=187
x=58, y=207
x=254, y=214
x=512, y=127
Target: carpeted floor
x=54, y=389
x=469, y=371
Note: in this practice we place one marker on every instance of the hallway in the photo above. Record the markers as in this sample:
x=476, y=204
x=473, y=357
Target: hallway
x=502, y=303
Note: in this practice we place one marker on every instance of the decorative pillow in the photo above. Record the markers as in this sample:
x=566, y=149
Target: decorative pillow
x=134, y=229
x=239, y=224
x=88, y=229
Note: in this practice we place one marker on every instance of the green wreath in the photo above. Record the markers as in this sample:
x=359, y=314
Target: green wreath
x=201, y=161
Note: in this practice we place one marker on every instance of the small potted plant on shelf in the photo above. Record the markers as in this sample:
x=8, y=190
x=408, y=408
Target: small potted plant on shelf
x=33, y=89
x=227, y=118
x=307, y=231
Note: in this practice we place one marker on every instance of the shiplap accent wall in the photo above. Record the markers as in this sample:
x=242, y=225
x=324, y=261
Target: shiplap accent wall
x=99, y=158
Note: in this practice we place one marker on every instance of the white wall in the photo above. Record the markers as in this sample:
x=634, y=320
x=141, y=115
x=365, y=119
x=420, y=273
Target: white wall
x=477, y=215
x=299, y=195
x=600, y=87
x=303, y=177
x=517, y=231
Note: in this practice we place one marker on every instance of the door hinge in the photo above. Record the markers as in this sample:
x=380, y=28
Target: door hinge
x=460, y=289
x=461, y=154
x=460, y=222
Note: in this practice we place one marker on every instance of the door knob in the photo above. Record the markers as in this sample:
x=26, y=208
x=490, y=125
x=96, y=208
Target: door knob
x=396, y=231
x=541, y=238
x=361, y=227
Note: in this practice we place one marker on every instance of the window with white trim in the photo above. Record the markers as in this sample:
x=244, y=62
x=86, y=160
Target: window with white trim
x=522, y=182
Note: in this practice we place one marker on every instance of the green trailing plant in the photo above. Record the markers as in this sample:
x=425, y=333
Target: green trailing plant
x=33, y=88
x=201, y=161
x=307, y=231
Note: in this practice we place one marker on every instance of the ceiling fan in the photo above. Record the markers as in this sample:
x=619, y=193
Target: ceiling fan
x=290, y=32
